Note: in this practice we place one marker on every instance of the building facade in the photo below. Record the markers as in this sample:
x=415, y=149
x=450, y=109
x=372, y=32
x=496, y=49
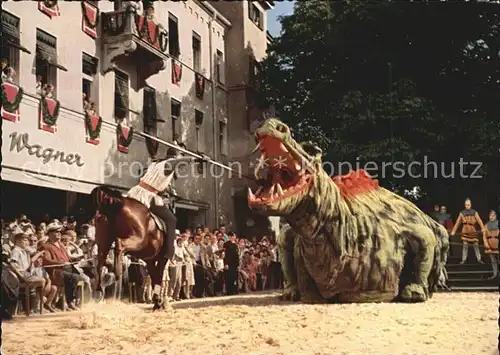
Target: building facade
x=87, y=78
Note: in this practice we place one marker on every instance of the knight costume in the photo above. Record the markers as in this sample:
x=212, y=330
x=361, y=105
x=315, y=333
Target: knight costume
x=491, y=241
x=468, y=219
x=444, y=218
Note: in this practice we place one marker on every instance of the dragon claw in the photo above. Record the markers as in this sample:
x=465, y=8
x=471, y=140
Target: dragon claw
x=414, y=293
x=290, y=294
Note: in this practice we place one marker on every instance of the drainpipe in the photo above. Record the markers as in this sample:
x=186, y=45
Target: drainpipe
x=214, y=119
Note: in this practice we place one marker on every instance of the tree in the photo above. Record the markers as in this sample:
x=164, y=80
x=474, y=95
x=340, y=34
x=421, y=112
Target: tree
x=390, y=80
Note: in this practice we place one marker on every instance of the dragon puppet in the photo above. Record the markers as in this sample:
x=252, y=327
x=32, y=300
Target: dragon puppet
x=349, y=239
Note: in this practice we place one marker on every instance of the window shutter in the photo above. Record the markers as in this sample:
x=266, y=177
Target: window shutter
x=46, y=46
x=121, y=95
x=10, y=26
x=89, y=64
x=149, y=106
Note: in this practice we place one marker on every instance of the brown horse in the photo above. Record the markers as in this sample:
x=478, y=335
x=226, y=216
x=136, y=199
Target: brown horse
x=134, y=230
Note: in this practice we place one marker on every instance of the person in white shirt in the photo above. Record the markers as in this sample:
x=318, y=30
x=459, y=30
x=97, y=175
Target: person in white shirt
x=10, y=73
x=155, y=181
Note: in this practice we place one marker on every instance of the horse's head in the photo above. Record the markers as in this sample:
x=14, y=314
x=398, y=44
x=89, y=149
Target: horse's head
x=105, y=199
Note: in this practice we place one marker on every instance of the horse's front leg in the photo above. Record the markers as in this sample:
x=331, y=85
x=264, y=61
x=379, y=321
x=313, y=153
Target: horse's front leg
x=118, y=271
x=155, y=269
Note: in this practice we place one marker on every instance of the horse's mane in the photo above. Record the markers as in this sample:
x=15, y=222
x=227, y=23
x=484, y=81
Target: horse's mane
x=105, y=198
x=108, y=190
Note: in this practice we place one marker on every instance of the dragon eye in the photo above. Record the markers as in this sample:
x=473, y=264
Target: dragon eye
x=282, y=128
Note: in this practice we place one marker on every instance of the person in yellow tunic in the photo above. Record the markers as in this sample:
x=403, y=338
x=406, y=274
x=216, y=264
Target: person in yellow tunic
x=468, y=219
x=490, y=239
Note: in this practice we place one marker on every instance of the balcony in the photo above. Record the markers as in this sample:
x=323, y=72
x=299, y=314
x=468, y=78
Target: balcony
x=129, y=36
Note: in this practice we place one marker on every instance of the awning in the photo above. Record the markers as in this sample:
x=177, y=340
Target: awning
x=191, y=205
x=10, y=43
x=49, y=181
x=48, y=54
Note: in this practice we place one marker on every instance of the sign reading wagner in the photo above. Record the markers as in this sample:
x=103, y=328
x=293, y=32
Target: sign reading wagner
x=46, y=154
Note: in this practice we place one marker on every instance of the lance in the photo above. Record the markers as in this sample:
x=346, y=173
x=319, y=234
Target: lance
x=198, y=156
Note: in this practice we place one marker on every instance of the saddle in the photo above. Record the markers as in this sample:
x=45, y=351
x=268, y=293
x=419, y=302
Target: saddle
x=159, y=222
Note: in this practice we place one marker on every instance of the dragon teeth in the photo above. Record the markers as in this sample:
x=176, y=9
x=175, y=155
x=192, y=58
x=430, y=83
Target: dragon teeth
x=280, y=189
x=256, y=148
x=251, y=196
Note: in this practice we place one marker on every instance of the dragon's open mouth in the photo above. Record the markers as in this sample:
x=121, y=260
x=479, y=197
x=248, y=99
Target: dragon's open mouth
x=280, y=173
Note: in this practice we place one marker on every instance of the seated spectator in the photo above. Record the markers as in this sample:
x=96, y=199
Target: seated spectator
x=33, y=243
x=49, y=291
x=10, y=289
x=68, y=239
x=61, y=271
x=21, y=261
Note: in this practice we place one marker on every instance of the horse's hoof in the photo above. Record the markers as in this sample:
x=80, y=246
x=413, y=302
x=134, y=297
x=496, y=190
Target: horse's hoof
x=99, y=297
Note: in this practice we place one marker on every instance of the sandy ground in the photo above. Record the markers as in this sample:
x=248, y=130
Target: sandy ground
x=451, y=323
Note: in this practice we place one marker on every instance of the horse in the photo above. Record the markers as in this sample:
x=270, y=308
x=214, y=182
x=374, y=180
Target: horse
x=135, y=231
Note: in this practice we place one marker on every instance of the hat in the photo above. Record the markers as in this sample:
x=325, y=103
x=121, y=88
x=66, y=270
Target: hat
x=19, y=236
x=54, y=227
x=12, y=226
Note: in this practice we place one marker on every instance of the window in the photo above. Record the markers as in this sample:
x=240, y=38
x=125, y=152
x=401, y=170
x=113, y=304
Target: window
x=255, y=15
x=196, y=52
x=219, y=67
x=11, y=42
x=222, y=138
x=46, y=58
x=173, y=36
x=149, y=110
x=121, y=95
x=198, y=120
x=89, y=83
x=175, y=113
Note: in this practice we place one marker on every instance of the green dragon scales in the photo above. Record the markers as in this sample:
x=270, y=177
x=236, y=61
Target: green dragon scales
x=349, y=240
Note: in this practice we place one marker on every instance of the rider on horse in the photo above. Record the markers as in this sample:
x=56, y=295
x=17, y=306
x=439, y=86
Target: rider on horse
x=154, y=182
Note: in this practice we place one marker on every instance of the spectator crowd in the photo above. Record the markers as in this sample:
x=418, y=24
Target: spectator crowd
x=59, y=259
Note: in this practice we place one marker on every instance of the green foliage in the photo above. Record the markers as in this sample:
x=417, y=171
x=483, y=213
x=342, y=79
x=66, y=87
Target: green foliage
x=389, y=80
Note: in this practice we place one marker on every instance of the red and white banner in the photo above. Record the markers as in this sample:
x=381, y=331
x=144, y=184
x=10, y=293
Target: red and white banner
x=10, y=90
x=94, y=122
x=52, y=104
x=90, y=15
x=176, y=73
x=49, y=11
x=155, y=42
x=125, y=132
